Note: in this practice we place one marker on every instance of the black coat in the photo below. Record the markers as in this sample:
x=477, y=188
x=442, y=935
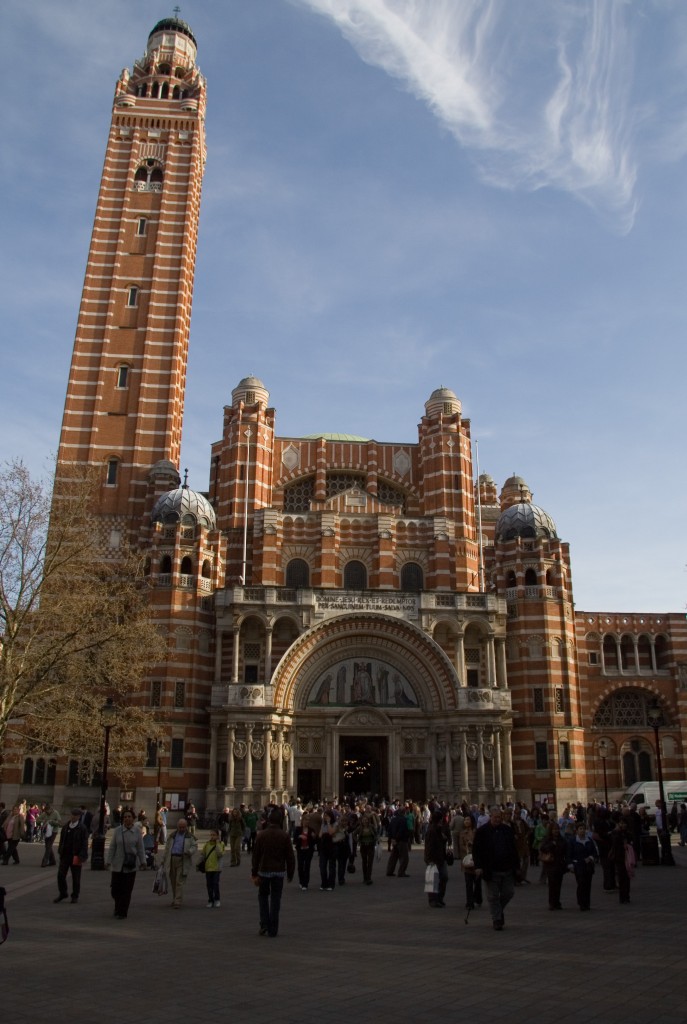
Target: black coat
x=488, y=839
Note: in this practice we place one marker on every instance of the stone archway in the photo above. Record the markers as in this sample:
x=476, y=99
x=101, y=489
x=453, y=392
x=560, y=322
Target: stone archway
x=365, y=659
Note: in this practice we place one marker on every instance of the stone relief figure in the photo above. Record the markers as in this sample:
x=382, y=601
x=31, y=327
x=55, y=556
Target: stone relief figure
x=322, y=695
x=240, y=749
x=401, y=698
x=341, y=685
x=370, y=684
x=362, y=691
x=383, y=684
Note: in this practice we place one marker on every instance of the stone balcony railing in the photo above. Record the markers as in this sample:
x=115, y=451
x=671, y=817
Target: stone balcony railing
x=325, y=603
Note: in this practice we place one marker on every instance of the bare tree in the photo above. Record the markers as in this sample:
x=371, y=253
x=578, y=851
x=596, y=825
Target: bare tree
x=76, y=627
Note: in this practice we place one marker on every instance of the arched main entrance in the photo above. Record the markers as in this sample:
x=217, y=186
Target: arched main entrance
x=362, y=765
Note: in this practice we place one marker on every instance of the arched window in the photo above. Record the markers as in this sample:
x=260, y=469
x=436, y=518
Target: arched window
x=412, y=577
x=148, y=177
x=132, y=295
x=123, y=376
x=662, y=654
x=186, y=566
x=39, y=777
x=206, y=571
x=637, y=763
x=155, y=90
x=549, y=578
x=176, y=92
x=166, y=564
x=27, y=775
x=511, y=580
x=297, y=573
x=164, y=91
x=112, y=471
x=355, y=576
x=530, y=578
x=627, y=652
x=610, y=653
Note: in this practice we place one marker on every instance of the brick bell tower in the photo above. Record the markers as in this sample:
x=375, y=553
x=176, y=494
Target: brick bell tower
x=125, y=397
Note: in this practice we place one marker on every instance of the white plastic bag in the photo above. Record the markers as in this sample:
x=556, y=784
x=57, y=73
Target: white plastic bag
x=160, y=885
x=432, y=879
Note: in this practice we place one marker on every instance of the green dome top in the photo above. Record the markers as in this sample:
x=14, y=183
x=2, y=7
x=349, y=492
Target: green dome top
x=174, y=25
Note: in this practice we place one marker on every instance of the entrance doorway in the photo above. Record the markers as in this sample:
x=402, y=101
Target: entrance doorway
x=362, y=765
x=309, y=785
x=415, y=784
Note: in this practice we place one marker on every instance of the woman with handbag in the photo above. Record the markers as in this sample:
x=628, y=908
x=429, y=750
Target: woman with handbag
x=552, y=855
x=125, y=856
x=473, y=884
x=436, y=842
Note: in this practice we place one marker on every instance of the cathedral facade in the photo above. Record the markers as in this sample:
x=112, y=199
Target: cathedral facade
x=343, y=614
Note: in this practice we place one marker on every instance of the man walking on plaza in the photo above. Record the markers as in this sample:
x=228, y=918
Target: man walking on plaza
x=72, y=854
x=179, y=851
x=399, y=836
x=273, y=859
x=496, y=859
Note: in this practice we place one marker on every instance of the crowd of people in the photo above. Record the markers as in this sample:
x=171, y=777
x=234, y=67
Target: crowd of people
x=495, y=849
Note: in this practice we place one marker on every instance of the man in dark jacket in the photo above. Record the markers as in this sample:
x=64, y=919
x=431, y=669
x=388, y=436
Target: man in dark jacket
x=496, y=859
x=273, y=859
x=72, y=854
x=399, y=836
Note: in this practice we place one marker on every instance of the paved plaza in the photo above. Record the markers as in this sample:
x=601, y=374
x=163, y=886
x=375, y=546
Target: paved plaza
x=360, y=953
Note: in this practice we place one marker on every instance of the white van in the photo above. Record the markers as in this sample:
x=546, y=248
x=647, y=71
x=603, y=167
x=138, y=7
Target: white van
x=645, y=794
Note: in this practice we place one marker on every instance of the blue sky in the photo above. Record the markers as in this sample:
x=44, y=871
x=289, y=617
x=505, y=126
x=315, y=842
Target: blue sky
x=399, y=195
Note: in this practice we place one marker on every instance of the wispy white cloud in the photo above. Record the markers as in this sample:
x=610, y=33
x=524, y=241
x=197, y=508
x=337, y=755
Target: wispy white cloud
x=538, y=92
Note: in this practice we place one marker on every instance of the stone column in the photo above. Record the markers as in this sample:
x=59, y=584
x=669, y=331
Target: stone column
x=231, y=736
x=602, y=655
x=289, y=764
x=507, y=759
x=279, y=763
x=654, y=667
x=501, y=670
x=333, y=766
x=480, y=759
x=268, y=655
x=460, y=658
x=267, y=740
x=464, y=769
x=619, y=655
x=235, y=655
x=498, y=780
x=218, y=655
x=249, y=757
x=491, y=662
x=449, y=767
x=212, y=768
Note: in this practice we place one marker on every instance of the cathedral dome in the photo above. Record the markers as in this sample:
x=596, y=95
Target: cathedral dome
x=525, y=520
x=250, y=391
x=442, y=400
x=174, y=506
x=174, y=25
x=514, y=491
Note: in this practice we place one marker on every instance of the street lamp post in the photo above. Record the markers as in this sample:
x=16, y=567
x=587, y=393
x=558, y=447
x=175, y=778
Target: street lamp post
x=603, y=754
x=158, y=796
x=656, y=721
x=108, y=714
